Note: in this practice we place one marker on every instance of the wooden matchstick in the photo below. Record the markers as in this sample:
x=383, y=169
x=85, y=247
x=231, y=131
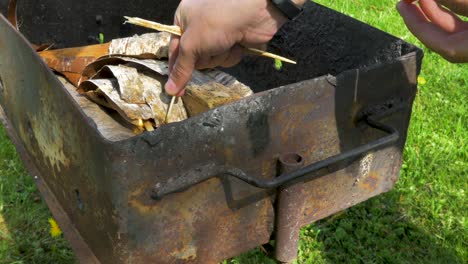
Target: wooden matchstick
x=270, y=55
x=176, y=31
x=153, y=25
x=170, y=109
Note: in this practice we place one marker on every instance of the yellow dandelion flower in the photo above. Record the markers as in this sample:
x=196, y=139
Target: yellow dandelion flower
x=54, y=228
x=421, y=80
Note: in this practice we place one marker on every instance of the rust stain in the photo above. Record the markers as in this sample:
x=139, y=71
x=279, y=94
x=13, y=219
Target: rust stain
x=186, y=250
x=315, y=200
x=192, y=221
x=229, y=154
x=266, y=168
x=293, y=118
x=371, y=182
x=184, y=210
x=135, y=201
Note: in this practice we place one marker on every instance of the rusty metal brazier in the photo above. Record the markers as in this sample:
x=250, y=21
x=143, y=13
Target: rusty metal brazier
x=315, y=139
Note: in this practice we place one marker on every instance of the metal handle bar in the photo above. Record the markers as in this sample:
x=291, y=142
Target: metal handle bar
x=206, y=172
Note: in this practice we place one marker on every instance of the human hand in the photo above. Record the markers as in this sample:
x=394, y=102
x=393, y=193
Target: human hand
x=439, y=28
x=213, y=32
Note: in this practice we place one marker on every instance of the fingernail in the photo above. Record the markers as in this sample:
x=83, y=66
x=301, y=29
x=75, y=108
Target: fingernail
x=171, y=87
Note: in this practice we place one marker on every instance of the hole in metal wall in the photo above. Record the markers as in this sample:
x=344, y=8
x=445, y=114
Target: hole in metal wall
x=291, y=158
x=79, y=202
x=1, y=85
x=29, y=129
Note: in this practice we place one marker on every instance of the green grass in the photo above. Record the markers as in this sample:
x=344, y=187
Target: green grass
x=24, y=227
x=422, y=220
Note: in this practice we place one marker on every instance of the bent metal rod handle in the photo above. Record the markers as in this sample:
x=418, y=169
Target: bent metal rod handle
x=208, y=171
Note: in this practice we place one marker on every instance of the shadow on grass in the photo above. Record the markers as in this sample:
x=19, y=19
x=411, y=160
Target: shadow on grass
x=24, y=226
x=376, y=231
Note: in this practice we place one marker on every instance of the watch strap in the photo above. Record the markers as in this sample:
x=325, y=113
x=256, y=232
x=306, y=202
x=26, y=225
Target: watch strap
x=288, y=8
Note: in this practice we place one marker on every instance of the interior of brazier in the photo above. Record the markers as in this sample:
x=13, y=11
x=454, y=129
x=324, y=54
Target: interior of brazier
x=321, y=40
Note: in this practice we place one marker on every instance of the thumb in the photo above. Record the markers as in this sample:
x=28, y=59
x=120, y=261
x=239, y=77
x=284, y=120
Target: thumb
x=184, y=64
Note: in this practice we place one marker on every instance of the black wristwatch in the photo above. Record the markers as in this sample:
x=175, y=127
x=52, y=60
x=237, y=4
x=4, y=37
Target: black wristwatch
x=288, y=8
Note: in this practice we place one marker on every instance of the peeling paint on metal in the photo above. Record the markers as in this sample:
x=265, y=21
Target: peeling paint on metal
x=51, y=144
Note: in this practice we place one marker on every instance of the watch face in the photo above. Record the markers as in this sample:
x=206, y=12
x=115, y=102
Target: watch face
x=69, y=23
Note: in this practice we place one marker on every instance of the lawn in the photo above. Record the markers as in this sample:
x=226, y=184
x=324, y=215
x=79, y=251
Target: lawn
x=422, y=220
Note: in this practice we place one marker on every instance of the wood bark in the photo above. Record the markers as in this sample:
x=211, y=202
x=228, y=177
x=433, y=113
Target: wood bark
x=70, y=62
x=134, y=88
x=128, y=75
x=136, y=96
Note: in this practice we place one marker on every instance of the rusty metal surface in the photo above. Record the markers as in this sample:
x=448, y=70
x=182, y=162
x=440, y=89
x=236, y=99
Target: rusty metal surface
x=204, y=172
x=376, y=172
x=106, y=187
x=102, y=186
x=290, y=204
x=54, y=133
